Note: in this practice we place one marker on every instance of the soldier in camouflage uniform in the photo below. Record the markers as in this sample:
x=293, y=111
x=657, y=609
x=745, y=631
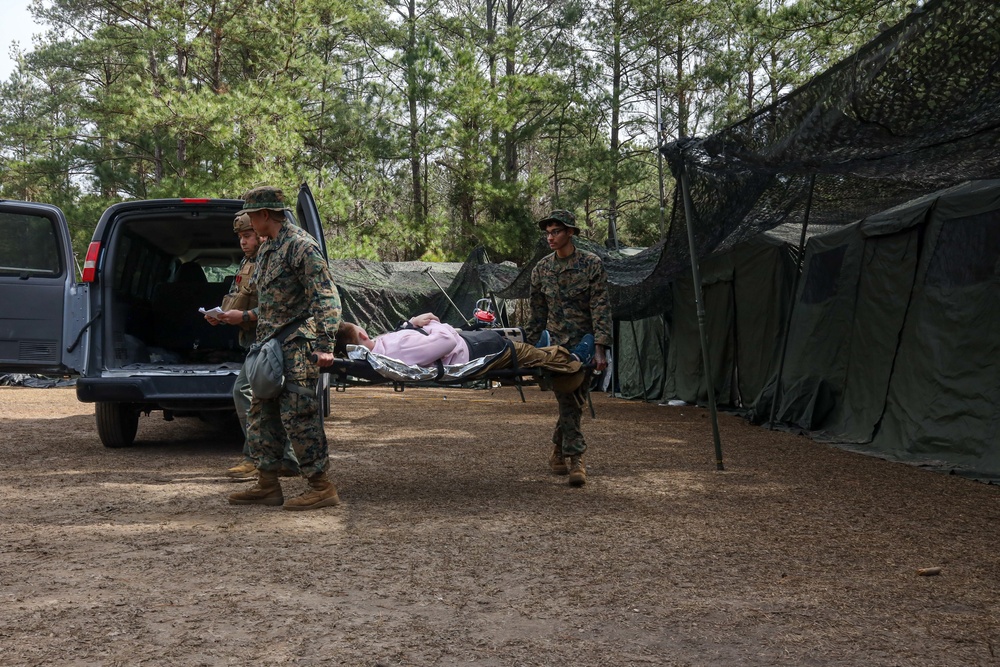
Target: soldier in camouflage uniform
x=294, y=288
x=569, y=299
x=240, y=309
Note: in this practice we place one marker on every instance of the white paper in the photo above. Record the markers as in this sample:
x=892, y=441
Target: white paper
x=214, y=313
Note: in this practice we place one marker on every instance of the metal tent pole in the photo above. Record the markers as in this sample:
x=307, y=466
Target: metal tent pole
x=616, y=334
x=482, y=257
x=445, y=292
x=699, y=304
x=791, y=306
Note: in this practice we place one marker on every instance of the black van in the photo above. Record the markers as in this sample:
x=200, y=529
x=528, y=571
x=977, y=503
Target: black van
x=130, y=329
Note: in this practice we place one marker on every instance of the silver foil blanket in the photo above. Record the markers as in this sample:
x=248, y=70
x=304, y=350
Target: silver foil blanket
x=394, y=369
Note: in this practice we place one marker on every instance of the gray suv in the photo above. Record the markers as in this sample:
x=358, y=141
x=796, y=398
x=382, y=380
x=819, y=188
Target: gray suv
x=130, y=330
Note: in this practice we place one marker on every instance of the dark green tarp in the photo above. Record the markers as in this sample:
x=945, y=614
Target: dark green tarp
x=844, y=330
x=746, y=291
x=895, y=333
x=640, y=356
x=943, y=405
x=380, y=295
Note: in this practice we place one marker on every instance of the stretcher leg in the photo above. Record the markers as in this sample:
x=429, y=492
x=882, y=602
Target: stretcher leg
x=520, y=390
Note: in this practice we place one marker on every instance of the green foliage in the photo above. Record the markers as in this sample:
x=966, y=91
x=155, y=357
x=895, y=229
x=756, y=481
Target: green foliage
x=425, y=128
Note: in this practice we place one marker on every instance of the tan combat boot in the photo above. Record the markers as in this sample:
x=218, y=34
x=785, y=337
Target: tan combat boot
x=245, y=470
x=267, y=491
x=577, y=473
x=321, y=493
x=557, y=463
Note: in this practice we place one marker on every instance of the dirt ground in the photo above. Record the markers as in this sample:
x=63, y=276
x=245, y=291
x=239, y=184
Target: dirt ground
x=455, y=546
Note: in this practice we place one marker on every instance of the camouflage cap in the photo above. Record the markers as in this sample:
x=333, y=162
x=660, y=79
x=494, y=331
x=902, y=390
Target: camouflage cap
x=242, y=223
x=264, y=197
x=564, y=218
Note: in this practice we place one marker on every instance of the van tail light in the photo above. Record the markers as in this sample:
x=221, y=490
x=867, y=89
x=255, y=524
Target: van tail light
x=90, y=264
x=195, y=200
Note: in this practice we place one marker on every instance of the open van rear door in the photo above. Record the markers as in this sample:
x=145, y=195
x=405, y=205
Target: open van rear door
x=307, y=214
x=42, y=308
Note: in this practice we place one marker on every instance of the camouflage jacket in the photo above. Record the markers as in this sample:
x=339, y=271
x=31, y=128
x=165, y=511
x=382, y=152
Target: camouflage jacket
x=569, y=297
x=293, y=281
x=243, y=296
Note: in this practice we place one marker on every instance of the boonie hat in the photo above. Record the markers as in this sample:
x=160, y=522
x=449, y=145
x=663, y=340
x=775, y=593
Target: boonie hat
x=264, y=197
x=242, y=223
x=564, y=218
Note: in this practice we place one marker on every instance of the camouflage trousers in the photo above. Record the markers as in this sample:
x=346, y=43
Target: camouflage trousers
x=242, y=397
x=568, y=435
x=291, y=417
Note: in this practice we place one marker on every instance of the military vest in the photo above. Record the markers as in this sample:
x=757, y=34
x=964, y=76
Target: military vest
x=243, y=294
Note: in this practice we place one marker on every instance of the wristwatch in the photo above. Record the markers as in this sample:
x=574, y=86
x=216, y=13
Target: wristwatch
x=246, y=315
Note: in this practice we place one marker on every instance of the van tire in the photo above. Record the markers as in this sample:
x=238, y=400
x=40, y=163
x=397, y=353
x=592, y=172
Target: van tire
x=117, y=423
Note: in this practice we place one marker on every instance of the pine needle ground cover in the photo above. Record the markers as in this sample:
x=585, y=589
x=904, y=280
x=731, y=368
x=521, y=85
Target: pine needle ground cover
x=455, y=546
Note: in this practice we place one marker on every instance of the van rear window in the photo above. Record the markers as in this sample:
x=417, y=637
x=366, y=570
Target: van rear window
x=29, y=245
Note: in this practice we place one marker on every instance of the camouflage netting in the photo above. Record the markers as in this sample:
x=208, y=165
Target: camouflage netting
x=380, y=295
x=627, y=279
x=915, y=110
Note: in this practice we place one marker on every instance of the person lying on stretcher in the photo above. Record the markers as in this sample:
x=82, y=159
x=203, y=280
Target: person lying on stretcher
x=426, y=341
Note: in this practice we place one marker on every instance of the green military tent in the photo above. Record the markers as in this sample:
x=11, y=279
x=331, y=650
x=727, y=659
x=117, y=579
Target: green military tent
x=894, y=342
x=380, y=295
x=747, y=289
